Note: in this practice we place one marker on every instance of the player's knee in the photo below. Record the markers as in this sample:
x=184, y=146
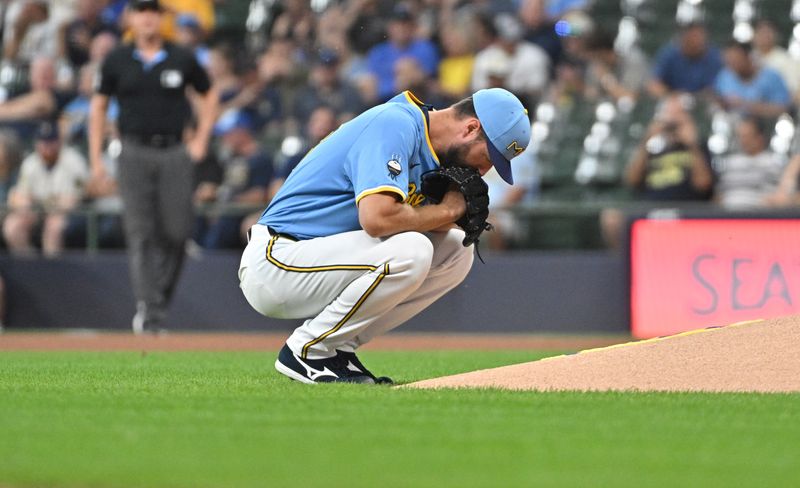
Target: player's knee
x=455, y=259
x=462, y=263
x=412, y=251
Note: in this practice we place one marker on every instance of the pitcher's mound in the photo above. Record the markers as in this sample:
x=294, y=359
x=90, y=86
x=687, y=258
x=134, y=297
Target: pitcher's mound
x=758, y=356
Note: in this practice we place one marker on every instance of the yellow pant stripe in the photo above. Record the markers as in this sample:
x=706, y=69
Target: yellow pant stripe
x=311, y=269
x=350, y=313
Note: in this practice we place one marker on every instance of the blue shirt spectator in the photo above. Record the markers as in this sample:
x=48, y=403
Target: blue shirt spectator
x=557, y=8
x=688, y=65
x=766, y=86
x=381, y=59
x=682, y=73
x=746, y=88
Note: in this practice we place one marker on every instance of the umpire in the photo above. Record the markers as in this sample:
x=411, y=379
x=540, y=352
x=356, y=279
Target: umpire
x=149, y=77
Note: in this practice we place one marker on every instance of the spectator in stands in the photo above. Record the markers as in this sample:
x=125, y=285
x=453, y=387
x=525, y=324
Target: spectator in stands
x=788, y=192
x=102, y=44
x=102, y=197
x=364, y=25
x=297, y=22
x=260, y=94
x=540, y=30
x=42, y=101
x=402, y=42
x=747, y=178
x=10, y=159
x=247, y=172
x=28, y=32
x=75, y=37
x=746, y=88
x=51, y=183
x=529, y=63
x=326, y=87
x=669, y=163
x=612, y=74
x=769, y=54
x=689, y=64
x=455, y=70
x=323, y=121
x=224, y=76
x=202, y=10
x=558, y=8
x=408, y=75
x=190, y=34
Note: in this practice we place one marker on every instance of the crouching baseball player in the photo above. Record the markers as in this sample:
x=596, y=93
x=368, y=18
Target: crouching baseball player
x=376, y=223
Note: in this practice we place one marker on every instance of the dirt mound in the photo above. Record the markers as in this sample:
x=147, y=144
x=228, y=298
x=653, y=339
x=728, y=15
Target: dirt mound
x=757, y=356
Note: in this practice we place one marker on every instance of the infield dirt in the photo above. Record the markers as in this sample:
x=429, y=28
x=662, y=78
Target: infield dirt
x=758, y=356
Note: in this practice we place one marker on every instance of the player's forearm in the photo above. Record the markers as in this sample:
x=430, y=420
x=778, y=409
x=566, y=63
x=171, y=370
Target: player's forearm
x=382, y=215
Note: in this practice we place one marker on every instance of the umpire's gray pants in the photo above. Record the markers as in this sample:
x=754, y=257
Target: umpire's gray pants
x=156, y=188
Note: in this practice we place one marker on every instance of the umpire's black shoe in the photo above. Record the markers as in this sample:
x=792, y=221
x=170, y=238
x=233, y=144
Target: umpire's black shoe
x=311, y=371
x=355, y=366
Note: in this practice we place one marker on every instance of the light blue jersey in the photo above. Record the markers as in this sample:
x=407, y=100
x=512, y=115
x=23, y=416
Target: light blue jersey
x=385, y=149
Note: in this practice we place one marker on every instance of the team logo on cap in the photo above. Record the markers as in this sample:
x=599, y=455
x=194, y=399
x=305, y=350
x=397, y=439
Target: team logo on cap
x=394, y=168
x=515, y=147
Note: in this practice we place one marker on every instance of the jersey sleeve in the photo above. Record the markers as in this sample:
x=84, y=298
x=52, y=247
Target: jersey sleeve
x=197, y=76
x=105, y=82
x=378, y=160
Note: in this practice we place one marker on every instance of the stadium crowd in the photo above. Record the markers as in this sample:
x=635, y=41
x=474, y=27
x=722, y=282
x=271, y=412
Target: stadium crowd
x=289, y=72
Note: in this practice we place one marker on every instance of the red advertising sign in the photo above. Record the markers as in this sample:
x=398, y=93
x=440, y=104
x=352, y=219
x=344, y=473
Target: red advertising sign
x=690, y=274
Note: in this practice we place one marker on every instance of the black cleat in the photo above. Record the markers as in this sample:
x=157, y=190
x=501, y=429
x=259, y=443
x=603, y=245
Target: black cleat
x=355, y=366
x=312, y=371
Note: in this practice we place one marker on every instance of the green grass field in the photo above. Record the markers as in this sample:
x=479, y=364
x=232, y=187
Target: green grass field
x=228, y=420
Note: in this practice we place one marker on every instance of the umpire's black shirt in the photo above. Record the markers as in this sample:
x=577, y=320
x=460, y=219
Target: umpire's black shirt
x=151, y=96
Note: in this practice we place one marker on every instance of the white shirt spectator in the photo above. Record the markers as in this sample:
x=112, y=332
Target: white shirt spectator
x=66, y=179
x=744, y=181
x=529, y=68
x=40, y=38
x=788, y=67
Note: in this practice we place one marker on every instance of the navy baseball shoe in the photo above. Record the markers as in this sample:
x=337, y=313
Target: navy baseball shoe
x=311, y=371
x=355, y=366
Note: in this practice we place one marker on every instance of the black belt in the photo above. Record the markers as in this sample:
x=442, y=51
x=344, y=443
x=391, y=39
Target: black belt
x=156, y=140
x=281, y=234
x=274, y=234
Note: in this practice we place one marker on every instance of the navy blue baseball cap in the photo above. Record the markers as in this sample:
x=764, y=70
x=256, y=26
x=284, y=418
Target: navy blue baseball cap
x=506, y=122
x=47, y=131
x=145, y=5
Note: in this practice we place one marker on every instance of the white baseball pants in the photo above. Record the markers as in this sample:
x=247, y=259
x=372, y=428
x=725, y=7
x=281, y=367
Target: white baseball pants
x=350, y=287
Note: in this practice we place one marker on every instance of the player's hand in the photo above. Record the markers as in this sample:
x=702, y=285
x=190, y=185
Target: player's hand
x=455, y=202
x=197, y=149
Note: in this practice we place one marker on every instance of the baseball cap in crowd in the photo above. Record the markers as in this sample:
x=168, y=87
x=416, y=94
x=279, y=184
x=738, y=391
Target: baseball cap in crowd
x=506, y=123
x=231, y=120
x=402, y=12
x=327, y=57
x=47, y=131
x=144, y=5
x=188, y=21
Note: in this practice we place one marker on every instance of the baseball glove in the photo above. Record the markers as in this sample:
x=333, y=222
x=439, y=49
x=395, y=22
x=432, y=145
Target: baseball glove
x=476, y=193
